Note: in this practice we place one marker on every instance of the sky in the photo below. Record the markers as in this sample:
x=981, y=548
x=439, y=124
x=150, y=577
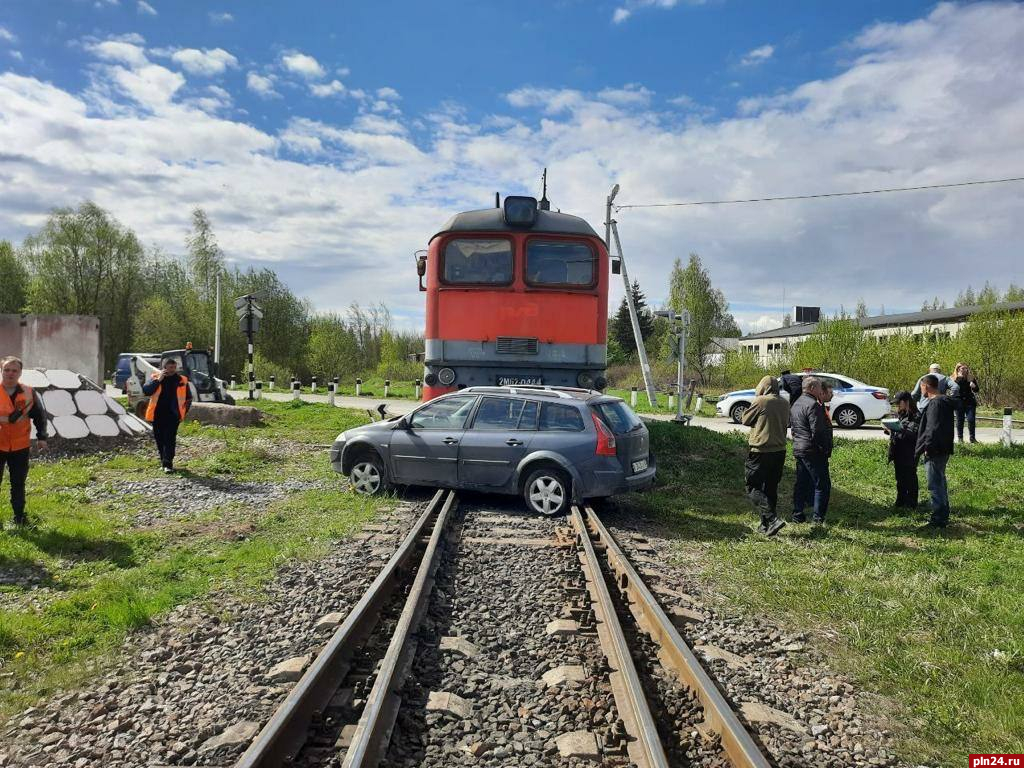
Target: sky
x=330, y=140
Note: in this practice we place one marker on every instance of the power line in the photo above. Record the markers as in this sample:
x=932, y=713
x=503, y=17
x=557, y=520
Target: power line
x=824, y=194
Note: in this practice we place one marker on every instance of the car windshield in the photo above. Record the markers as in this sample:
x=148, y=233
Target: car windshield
x=617, y=416
x=450, y=413
x=198, y=363
x=476, y=261
x=557, y=262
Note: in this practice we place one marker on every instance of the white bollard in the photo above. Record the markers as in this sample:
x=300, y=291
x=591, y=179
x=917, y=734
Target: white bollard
x=387, y=387
x=1007, y=427
x=259, y=390
x=700, y=402
x=312, y=387
x=419, y=384
x=632, y=397
x=359, y=387
x=232, y=385
x=271, y=387
x=296, y=385
x=671, y=401
x=330, y=393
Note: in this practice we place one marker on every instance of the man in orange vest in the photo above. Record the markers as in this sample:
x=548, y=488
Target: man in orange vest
x=20, y=407
x=169, y=401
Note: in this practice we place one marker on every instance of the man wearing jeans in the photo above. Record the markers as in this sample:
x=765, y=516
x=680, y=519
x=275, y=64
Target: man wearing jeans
x=812, y=447
x=935, y=444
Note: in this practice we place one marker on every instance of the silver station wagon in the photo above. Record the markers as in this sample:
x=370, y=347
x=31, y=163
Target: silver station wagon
x=555, y=446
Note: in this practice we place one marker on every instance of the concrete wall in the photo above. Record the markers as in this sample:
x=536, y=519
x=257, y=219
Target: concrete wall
x=54, y=341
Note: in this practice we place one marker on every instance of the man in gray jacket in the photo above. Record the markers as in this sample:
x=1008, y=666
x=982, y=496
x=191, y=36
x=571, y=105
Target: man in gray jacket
x=812, y=448
x=947, y=386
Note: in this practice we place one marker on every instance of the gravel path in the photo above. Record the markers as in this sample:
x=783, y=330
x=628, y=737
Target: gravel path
x=201, y=669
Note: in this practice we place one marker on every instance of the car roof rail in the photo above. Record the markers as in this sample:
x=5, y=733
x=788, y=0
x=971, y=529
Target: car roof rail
x=528, y=389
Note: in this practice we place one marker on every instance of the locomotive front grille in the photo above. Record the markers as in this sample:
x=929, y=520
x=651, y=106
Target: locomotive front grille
x=516, y=345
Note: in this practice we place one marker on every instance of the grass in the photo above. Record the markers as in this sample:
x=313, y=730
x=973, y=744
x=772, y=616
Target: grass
x=103, y=578
x=932, y=621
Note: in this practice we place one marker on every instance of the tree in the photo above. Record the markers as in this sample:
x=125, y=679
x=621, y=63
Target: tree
x=622, y=326
x=690, y=289
x=988, y=295
x=1013, y=293
x=205, y=260
x=787, y=320
x=966, y=298
x=862, y=309
x=13, y=280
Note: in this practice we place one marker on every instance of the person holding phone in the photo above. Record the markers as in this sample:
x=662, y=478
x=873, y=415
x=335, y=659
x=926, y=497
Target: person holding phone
x=902, y=448
x=20, y=408
x=169, y=400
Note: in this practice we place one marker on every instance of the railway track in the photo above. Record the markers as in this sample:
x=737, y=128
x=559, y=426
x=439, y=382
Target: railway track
x=390, y=613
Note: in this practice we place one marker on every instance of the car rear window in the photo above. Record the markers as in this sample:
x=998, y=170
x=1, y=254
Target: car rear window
x=618, y=416
x=560, y=418
x=504, y=413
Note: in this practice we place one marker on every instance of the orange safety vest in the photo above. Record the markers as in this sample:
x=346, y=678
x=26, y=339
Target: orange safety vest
x=182, y=392
x=16, y=436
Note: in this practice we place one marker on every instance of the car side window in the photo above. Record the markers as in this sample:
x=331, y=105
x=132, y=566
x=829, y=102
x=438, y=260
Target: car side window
x=450, y=413
x=499, y=413
x=528, y=418
x=560, y=418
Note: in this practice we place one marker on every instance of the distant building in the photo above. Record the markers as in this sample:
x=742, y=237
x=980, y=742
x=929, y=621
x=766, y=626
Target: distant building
x=934, y=322
x=715, y=351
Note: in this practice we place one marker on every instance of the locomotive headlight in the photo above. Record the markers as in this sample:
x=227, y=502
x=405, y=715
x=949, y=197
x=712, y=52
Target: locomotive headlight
x=430, y=379
x=520, y=211
x=585, y=380
x=446, y=376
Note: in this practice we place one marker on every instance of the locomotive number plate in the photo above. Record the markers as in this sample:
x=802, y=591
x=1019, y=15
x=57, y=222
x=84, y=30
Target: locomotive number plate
x=511, y=381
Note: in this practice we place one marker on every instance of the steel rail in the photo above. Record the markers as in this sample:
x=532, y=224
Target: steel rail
x=378, y=718
x=737, y=742
x=284, y=734
x=646, y=751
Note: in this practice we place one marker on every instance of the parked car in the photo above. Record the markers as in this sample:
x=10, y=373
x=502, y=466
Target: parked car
x=123, y=367
x=854, y=402
x=555, y=446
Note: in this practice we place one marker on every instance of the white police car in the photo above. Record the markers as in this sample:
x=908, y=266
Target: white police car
x=853, y=403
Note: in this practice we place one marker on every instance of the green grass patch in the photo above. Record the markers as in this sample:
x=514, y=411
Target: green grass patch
x=933, y=621
x=101, y=578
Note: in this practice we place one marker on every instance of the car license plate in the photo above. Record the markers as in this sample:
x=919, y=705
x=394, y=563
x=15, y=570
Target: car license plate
x=511, y=381
x=639, y=466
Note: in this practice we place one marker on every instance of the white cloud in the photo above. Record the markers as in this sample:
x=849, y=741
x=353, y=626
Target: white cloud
x=629, y=95
x=625, y=11
x=206, y=62
x=262, y=85
x=325, y=90
x=302, y=64
x=16, y=55
x=220, y=17
x=620, y=15
x=758, y=55
x=6, y=35
x=388, y=94
x=145, y=9
x=338, y=207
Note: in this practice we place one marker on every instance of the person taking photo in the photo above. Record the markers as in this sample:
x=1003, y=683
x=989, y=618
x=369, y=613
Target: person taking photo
x=902, y=449
x=20, y=408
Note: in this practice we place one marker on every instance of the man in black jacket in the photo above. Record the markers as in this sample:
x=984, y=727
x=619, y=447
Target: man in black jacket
x=792, y=385
x=812, y=447
x=935, y=444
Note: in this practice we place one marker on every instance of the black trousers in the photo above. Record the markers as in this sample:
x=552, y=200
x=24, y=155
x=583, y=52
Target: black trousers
x=906, y=485
x=17, y=461
x=763, y=472
x=165, y=432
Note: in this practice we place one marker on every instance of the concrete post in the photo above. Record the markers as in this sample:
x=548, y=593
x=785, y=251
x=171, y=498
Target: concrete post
x=700, y=402
x=359, y=387
x=1007, y=427
x=232, y=385
x=312, y=387
x=296, y=386
x=330, y=393
x=336, y=380
x=671, y=400
x=272, y=380
x=419, y=384
x=259, y=389
x=387, y=387
x=632, y=396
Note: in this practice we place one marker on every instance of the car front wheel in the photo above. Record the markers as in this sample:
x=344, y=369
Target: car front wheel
x=367, y=475
x=737, y=411
x=848, y=417
x=546, y=491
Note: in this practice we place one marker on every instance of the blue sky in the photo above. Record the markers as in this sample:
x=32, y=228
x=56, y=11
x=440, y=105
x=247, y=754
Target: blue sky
x=331, y=139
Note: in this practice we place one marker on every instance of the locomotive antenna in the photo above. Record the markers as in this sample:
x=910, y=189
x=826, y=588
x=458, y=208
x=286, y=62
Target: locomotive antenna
x=545, y=204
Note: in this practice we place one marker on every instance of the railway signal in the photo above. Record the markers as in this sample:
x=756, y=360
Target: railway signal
x=249, y=315
x=684, y=325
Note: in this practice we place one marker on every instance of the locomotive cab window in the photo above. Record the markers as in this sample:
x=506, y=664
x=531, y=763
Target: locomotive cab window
x=560, y=262
x=470, y=261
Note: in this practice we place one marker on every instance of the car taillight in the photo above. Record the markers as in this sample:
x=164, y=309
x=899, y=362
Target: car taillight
x=605, y=438
x=879, y=395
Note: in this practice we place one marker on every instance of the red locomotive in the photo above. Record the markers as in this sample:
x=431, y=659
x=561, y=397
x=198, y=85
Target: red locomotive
x=516, y=294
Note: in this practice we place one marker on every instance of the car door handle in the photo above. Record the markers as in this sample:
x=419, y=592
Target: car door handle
x=513, y=441
x=450, y=441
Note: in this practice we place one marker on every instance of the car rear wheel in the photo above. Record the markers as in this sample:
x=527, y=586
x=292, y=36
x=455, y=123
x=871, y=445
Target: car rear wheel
x=737, y=411
x=546, y=491
x=848, y=417
x=367, y=475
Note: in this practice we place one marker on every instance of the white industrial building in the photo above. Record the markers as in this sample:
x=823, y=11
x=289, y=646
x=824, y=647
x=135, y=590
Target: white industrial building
x=934, y=322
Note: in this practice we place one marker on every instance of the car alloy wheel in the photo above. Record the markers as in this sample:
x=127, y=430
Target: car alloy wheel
x=546, y=492
x=848, y=417
x=737, y=412
x=366, y=478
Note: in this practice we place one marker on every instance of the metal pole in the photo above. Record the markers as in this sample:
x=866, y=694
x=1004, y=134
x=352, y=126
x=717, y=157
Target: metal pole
x=248, y=333
x=680, y=367
x=216, y=325
x=645, y=366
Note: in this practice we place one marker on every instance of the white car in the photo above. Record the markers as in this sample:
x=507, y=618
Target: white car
x=853, y=403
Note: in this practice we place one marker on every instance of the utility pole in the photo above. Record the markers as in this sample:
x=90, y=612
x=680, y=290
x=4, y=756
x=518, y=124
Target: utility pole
x=611, y=230
x=249, y=315
x=216, y=325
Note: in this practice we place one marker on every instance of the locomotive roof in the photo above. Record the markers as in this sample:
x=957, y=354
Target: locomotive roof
x=493, y=220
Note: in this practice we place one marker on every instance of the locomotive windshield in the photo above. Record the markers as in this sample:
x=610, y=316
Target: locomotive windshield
x=474, y=262
x=556, y=262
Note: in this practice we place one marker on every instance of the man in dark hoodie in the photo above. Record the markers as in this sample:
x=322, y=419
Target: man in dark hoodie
x=812, y=448
x=768, y=417
x=903, y=448
x=791, y=384
x=935, y=444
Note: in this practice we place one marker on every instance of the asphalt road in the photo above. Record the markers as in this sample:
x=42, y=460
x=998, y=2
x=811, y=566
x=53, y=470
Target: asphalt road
x=398, y=407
